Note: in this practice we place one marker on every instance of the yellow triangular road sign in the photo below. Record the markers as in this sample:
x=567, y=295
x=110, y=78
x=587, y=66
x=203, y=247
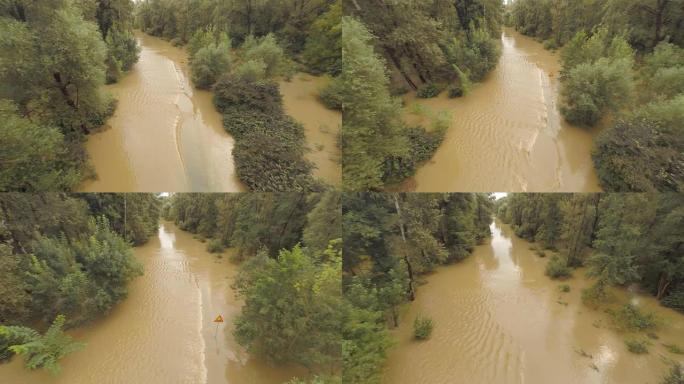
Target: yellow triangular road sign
x=218, y=319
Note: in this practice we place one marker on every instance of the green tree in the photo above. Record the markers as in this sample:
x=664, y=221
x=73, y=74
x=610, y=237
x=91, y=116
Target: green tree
x=44, y=351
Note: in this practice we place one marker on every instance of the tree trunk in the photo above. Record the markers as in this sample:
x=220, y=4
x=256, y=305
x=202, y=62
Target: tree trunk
x=411, y=291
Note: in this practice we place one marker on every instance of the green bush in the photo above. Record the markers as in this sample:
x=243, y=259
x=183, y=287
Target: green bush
x=209, y=63
x=423, y=145
x=234, y=92
x=557, y=268
x=675, y=300
x=422, y=328
x=590, y=90
x=331, y=95
x=564, y=288
x=267, y=51
x=429, y=90
x=455, y=91
x=674, y=348
x=636, y=346
x=251, y=71
x=675, y=376
x=215, y=246
x=630, y=318
x=238, y=122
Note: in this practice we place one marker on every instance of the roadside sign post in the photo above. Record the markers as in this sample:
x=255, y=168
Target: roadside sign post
x=217, y=320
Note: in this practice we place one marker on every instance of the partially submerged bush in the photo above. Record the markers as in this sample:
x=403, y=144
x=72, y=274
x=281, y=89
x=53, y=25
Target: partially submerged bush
x=235, y=92
x=675, y=376
x=674, y=348
x=675, y=301
x=564, y=288
x=429, y=90
x=422, y=327
x=557, y=268
x=215, y=246
x=331, y=95
x=636, y=346
x=631, y=318
x=423, y=145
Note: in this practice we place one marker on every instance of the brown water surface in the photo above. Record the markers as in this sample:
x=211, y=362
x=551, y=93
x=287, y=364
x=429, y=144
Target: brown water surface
x=165, y=135
x=497, y=319
x=321, y=125
x=163, y=332
x=507, y=133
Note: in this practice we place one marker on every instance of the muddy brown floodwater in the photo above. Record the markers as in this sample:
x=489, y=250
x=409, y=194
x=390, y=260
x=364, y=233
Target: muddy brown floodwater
x=163, y=332
x=507, y=133
x=165, y=135
x=497, y=319
x=321, y=125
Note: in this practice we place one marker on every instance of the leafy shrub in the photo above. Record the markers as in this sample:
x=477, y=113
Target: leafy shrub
x=267, y=51
x=272, y=160
x=675, y=300
x=675, y=376
x=630, y=318
x=557, y=268
x=251, y=70
x=422, y=328
x=476, y=55
x=43, y=351
x=423, y=145
x=209, y=63
x=645, y=152
x=564, y=288
x=455, y=91
x=234, y=92
x=590, y=90
x=636, y=346
x=674, y=348
x=331, y=95
x=237, y=122
x=215, y=246
x=429, y=90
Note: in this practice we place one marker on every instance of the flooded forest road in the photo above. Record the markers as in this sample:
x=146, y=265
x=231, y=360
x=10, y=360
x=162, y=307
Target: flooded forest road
x=507, y=133
x=163, y=332
x=167, y=136
x=499, y=319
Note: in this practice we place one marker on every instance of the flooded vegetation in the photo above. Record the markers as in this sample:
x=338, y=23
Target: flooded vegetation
x=163, y=331
x=445, y=290
x=499, y=319
x=507, y=133
x=181, y=305
x=165, y=135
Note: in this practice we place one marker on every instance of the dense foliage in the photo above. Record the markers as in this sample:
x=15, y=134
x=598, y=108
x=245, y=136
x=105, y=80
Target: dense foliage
x=289, y=279
x=389, y=241
x=642, y=150
x=426, y=46
x=621, y=238
x=65, y=255
x=56, y=56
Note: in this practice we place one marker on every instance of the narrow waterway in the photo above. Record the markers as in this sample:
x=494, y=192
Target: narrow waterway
x=507, y=133
x=165, y=135
x=499, y=319
x=163, y=332
x=321, y=125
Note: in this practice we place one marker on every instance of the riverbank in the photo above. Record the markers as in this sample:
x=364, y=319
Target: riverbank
x=507, y=133
x=163, y=332
x=499, y=319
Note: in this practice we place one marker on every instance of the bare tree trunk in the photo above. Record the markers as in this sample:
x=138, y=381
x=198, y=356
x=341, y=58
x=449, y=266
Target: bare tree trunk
x=411, y=291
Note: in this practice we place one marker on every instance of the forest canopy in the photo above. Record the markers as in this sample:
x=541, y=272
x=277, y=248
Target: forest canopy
x=56, y=55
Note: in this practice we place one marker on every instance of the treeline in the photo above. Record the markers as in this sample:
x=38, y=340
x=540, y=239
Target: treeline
x=272, y=39
x=67, y=255
x=56, y=55
x=389, y=241
x=621, y=238
x=289, y=278
x=622, y=60
x=391, y=47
